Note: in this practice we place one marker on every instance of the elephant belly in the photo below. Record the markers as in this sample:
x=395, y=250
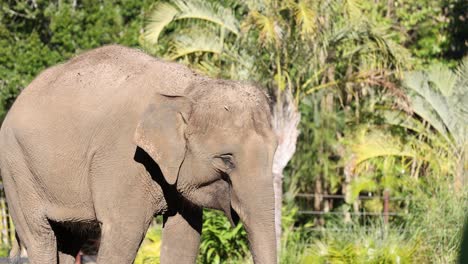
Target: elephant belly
x=81, y=213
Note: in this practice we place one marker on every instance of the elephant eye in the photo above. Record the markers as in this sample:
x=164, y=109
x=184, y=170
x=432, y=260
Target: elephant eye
x=228, y=160
x=226, y=163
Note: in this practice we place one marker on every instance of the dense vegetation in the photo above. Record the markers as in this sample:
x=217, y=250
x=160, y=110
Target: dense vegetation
x=381, y=87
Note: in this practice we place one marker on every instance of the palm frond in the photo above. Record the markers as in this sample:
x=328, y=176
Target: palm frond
x=375, y=144
x=305, y=17
x=460, y=93
x=197, y=41
x=430, y=104
x=397, y=118
x=462, y=73
x=424, y=110
x=269, y=29
x=208, y=11
x=165, y=13
x=162, y=15
x=442, y=79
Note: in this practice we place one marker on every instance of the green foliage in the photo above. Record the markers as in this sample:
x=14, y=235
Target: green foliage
x=318, y=149
x=439, y=97
x=437, y=215
x=431, y=30
x=295, y=239
x=293, y=51
x=151, y=246
x=4, y=251
x=371, y=244
x=220, y=242
x=429, y=27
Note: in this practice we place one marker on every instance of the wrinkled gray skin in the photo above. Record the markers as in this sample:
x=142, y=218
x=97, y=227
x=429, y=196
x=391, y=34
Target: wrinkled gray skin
x=114, y=136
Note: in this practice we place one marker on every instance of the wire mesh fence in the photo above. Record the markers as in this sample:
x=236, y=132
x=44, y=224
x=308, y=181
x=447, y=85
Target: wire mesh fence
x=385, y=206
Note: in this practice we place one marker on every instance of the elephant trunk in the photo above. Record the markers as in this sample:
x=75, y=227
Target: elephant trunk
x=256, y=210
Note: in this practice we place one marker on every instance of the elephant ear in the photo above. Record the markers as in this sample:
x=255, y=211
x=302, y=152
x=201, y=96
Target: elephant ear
x=160, y=132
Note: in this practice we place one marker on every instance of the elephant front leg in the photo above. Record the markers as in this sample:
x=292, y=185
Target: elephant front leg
x=181, y=236
x=120, y=241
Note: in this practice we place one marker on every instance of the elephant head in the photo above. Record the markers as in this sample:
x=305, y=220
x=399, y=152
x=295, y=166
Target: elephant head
x=215, y=144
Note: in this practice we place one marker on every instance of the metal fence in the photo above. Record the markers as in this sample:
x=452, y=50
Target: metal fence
x=385, y=199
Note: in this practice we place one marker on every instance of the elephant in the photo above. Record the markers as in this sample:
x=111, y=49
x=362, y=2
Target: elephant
x=114, y=136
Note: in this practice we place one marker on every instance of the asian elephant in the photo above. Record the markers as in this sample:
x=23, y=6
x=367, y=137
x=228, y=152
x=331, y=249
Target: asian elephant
x=114, y=136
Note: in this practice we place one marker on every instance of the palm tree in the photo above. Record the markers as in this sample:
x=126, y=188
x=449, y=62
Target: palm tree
x=437, y=127
x=439, y=99
x=293, y=48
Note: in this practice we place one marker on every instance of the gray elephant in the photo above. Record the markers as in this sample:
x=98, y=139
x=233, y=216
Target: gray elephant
x=114, y=136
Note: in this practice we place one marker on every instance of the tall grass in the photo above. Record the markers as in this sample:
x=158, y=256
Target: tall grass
x=437, y=217
x=370, y=244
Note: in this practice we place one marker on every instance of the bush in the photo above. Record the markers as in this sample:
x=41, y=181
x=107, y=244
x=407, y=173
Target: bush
x=221, y=243
x=150, y=248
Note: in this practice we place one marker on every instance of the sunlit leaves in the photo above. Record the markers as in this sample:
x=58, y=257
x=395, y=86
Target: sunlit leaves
x=305, y=16
x=435, y=97
x=269, y=29
x=162, y=15
x=369, y=145
x=221, y=242
x=165, y=13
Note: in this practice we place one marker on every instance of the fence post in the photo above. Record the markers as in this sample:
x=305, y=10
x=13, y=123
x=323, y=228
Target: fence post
x=386, y=196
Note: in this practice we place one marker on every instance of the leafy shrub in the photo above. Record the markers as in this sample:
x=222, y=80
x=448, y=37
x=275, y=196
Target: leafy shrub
x=4, y=250
x=221, y=243
x=151, y=246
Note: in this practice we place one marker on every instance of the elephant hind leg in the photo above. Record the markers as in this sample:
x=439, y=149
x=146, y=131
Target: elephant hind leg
x=41, y=244
x=32, y=226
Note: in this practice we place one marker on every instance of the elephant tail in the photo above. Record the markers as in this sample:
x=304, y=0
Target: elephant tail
x=15, y=252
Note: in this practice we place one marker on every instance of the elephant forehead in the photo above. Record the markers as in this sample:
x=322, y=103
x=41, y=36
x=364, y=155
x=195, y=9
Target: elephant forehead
x=221, y=116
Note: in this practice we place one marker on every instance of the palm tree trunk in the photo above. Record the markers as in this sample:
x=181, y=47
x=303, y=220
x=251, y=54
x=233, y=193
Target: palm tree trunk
x=278, y=189
x=285, y=124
